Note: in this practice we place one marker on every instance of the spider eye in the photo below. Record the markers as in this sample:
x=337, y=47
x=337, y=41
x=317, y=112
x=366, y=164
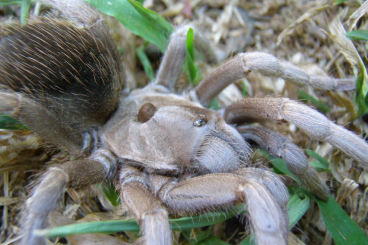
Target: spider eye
x=202, y=120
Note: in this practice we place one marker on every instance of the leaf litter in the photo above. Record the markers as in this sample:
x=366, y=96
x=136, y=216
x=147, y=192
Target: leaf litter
x=290, y=30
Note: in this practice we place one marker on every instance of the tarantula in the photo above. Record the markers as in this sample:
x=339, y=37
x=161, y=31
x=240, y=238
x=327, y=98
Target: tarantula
x=165, y=152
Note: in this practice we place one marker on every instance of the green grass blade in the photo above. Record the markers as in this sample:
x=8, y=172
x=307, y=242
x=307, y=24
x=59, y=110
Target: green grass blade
x=338, y=2
x=361, y=92
x=341, y=227
x=110, y=192
x=280, y=165
x=131, y=225
x=7, y=122
x=319, y=166
x=194, y=236
x=26, y=5
x=139, y=20
x=190, y=55
x=190, y=67
x=358, y=35
x=248, y=241
x=214, y=105
x=297, y=207
x=322, y=107
x=199, y=237
x=211, y=240
x=145, y=63
x=9, y=2
x=322, y=162
x=92, y=227
x=205, y=219
x=244, y=89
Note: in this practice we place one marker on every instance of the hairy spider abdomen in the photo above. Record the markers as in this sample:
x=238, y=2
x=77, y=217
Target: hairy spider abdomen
x=58, y=69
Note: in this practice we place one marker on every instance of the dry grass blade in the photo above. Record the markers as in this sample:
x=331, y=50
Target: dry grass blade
x=9, y=200
x=346, y=46
x=354, y=18
x=305, y=17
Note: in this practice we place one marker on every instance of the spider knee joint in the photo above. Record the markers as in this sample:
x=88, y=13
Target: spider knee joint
x=107, y=159
x=154, y=213
x=90, y=141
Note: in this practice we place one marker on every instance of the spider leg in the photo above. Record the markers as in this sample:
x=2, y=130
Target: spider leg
x=273, y=184
x=268, y=65
x=148, y=209
x=280, y=146
x=39, y=119
x=316, y=125
x=173, y=60
x=266, y=211
x=73, y=174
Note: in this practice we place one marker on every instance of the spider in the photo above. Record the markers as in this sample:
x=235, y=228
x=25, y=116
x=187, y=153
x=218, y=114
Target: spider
x=165, y=152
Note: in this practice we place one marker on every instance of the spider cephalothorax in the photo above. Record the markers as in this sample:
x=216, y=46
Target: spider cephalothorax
x=204, y=133
x=164, y=152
